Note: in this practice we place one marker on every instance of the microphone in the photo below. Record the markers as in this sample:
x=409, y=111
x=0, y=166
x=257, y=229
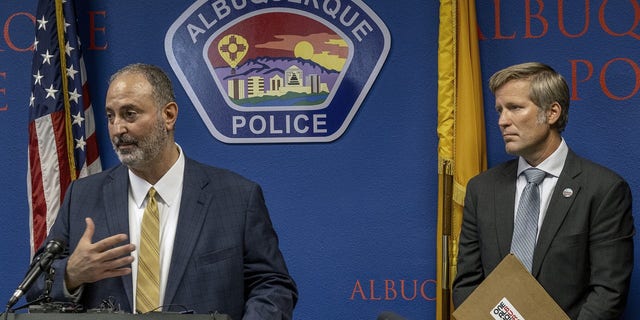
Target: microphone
x=40, y=264
x=388, y=315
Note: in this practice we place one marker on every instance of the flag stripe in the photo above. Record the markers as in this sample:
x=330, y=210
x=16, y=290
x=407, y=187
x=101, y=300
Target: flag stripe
x=37, y=203
x=59, y=167
x=49, y=159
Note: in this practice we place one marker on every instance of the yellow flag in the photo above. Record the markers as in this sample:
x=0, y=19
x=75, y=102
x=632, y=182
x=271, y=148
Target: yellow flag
x=461, y=133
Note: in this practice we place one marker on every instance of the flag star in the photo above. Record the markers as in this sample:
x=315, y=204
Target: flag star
x=78, y=119
x=71, y=72
x=38, y=78
x=80, y=143
x=51, y=92
x=46, y=57
x=35, y=44
x=74, y=95
x=42, y=24
x=68, y=48
x=65, y=26
x=32, y=100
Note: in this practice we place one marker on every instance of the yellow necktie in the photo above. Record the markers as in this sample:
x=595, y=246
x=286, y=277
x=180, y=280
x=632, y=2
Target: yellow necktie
x=148, y=286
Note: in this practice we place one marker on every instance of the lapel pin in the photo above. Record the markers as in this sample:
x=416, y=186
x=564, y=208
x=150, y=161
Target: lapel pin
x=567, y=192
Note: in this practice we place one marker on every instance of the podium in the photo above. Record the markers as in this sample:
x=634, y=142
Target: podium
x=111, y=316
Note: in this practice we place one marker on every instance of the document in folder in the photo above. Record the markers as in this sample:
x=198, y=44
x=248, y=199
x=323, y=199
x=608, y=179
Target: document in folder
x=510, y=292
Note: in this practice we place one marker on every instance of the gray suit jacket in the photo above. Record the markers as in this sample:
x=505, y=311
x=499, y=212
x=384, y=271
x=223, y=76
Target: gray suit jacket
x=225, y=258
x=584, y=254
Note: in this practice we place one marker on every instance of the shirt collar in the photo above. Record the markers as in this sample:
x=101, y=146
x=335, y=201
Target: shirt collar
x=552, y=165
x=167, y=187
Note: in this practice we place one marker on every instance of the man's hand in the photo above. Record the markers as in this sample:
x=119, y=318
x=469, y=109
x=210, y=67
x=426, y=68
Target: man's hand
x=91, y=262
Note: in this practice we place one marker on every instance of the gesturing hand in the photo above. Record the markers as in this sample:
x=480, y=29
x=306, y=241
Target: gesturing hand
x=91, y=262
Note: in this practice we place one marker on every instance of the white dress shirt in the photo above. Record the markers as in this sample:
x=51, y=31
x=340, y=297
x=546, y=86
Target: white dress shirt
x=168, y=196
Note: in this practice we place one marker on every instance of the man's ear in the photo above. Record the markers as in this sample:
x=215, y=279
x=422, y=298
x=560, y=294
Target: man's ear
x=553, y=113
x=170, y=115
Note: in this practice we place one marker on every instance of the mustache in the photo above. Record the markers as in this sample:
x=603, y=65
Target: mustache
x=123, y=139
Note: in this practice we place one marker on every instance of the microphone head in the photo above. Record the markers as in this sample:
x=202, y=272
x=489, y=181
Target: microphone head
x=55, y=247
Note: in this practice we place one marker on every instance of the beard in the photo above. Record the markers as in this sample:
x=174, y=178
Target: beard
x=144, y=150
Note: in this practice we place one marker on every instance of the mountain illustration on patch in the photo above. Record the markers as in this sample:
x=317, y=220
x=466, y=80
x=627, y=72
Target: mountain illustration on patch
x=284, y=65
x=269, y=81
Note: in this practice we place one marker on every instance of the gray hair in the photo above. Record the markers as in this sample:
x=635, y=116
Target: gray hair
x=546, y=87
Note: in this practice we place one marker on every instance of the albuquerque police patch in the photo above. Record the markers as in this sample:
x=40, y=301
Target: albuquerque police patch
x=272, y=71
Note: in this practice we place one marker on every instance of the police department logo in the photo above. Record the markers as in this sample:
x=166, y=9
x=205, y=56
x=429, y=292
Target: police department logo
x=270, y=71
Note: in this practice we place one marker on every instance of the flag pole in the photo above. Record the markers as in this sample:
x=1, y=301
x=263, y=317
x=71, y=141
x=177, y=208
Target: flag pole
x=447, y=197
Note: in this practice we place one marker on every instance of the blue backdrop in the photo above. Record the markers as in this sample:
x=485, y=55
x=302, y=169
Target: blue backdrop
x=356, y=217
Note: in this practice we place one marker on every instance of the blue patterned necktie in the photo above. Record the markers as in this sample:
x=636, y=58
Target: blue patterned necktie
x=525, y=229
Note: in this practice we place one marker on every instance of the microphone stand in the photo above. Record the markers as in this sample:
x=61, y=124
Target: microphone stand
x=48, y=284
x=50, y=273
x=49, y=276
x=40, y=265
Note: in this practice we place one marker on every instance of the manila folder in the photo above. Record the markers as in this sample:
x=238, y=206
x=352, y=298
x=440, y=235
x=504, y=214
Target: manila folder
x=510, y=292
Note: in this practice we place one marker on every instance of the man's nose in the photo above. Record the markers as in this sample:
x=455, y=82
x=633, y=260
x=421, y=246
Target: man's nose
x=503, y=119
x=119, y=126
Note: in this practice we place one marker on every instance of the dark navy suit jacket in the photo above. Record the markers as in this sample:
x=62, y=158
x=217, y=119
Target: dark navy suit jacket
x=225, y=258
x=584, y=253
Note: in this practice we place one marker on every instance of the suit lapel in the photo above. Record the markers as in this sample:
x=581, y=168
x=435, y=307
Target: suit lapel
x=558, y=208
x=116, y=189
x=505, y=197
x=192, y=214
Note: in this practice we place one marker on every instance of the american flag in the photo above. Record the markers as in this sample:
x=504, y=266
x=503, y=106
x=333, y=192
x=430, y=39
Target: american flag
x=62, y=139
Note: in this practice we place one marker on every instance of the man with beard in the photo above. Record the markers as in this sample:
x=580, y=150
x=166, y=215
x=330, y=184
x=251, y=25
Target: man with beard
x=217, y=249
